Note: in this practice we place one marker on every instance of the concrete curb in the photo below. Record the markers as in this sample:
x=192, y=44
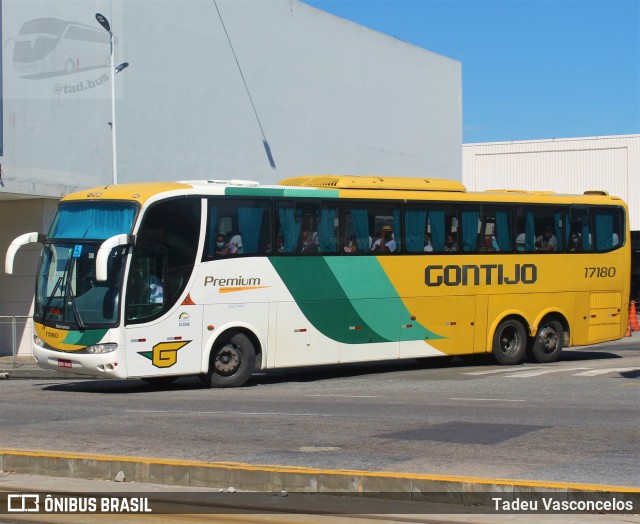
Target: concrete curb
x=43, y=374
x=401, y=486
x=25, y=367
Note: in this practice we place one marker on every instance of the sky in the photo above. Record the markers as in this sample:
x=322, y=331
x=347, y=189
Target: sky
x=531, y=69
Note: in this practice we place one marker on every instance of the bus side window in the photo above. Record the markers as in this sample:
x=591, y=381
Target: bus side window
x=541, y=228
x=375, y=227
x=495, y=229
x=579, y=228
x=242, y=225
x=427, y=227
x=415, y=229
x=608, y=230
x=288, y=227
x=470, y=228
x=327, y=228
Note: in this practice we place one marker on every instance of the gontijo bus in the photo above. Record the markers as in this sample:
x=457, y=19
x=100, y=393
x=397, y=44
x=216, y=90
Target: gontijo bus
x=140, y=281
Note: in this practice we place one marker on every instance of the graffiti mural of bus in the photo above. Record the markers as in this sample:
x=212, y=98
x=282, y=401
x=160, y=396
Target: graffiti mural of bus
x=51, y=46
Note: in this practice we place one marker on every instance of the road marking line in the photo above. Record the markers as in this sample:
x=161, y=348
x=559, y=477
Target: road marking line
x=344, y=396
x=538, y=372
x=260, y=414
x=595, y=372
x=508, y=370
x=489, y=399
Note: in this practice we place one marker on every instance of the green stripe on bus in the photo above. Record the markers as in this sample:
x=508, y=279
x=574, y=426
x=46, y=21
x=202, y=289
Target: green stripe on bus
x=366, y=283
x=322, y=300
x=85, y=338
x=348, y=299
x=284, y=192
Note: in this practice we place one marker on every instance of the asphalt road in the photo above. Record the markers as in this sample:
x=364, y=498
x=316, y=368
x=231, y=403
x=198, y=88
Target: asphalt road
x=576, y=420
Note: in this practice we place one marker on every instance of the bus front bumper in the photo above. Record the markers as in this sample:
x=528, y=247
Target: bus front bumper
x=106, y=365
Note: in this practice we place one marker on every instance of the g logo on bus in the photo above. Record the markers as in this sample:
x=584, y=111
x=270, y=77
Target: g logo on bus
x=164, y=354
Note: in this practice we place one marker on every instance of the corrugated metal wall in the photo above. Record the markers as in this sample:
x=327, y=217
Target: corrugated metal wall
x=571, y=165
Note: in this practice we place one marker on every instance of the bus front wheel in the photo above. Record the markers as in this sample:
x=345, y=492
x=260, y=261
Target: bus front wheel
x=548, y=342
x=232, y=361
x=509, y=342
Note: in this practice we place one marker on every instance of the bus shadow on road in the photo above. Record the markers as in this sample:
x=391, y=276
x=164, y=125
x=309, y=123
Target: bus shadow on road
x=260, y=378
x=318, y=373
x=587, y=354
x=132, y=386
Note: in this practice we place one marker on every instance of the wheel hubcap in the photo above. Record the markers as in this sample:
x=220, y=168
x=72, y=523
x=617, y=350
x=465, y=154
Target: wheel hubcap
x=548, y=339
x=509, y=340
x=228, y=360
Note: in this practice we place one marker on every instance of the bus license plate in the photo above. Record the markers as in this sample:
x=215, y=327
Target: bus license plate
x=64, y=363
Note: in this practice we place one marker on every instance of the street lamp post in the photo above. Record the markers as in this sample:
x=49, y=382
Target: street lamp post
x=114, y=70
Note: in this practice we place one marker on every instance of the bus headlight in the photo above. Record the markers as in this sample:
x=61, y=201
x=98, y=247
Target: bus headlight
x=38, y=341
x=102, y=348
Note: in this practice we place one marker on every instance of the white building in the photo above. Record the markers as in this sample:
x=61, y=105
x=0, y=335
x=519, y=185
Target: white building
x=569, y=165
x=252, y=89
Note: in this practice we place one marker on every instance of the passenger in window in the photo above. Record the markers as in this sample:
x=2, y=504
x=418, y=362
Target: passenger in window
x=279, y=246
x=428, y=248
x=547, y=241
x=156, y=290
x=386, y=243
x=308, y=244
x=374, y=240
x=351, y=246
x=520, y=242
x=220, y=249
x=574, y=243
x=450, y=243
x=234, y=246
x=488, y=244
x=615, y=240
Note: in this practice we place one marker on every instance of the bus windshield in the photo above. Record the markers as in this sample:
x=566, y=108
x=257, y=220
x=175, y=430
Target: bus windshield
x=91, y=220
x=67, y=292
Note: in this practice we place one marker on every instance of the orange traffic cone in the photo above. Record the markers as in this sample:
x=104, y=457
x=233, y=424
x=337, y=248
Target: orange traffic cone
x=628, y=333
x=633, y=317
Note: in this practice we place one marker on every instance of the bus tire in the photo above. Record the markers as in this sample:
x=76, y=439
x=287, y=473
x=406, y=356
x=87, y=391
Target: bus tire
x=232, y=361
x=509, y=342
x=548, y=342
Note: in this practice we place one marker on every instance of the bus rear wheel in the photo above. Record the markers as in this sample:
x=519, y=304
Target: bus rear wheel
x=232, y=362
x=509, y=342
x=547, y=345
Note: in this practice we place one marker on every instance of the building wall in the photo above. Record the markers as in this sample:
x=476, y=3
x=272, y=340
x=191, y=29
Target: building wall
x=572, y=165
x=326, y=95
x=16, y=291
x=313, y=93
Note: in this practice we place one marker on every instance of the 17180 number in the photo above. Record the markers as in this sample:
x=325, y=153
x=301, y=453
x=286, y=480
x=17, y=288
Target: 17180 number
x=599, y=272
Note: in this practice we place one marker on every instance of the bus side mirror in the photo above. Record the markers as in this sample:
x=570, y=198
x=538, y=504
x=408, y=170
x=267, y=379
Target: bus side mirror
x=102, y=260
x=22, y=240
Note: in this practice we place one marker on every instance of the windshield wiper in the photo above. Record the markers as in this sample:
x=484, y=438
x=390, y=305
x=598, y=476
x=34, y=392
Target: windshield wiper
x=72, y=301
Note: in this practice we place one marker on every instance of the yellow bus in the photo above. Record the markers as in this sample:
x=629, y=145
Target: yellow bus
x=223, y=278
